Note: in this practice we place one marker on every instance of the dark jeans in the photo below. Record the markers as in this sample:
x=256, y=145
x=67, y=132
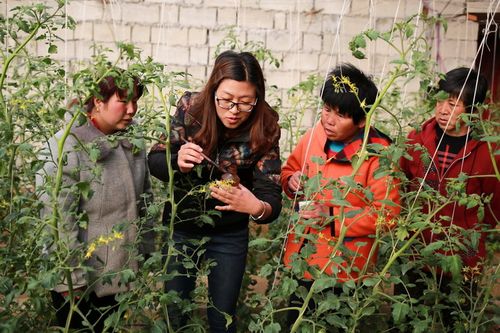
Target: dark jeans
x=228, y=251
x=94, y=308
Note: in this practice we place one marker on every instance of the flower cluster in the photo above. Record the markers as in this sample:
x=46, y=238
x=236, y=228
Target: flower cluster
x=102, y=240
x=343, y=84
x=471, y=273
x=222, y=183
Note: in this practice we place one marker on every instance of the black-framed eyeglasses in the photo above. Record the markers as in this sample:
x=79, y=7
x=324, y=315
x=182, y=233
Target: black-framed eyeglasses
x=241, y=106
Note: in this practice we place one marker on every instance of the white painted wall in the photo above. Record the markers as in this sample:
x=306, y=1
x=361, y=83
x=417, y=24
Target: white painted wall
x=308, y=36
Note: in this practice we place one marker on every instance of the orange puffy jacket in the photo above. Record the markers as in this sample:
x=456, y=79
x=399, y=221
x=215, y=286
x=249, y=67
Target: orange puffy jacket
x=359, y=218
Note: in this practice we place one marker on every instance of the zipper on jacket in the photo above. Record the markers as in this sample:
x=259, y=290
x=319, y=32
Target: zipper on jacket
x=332, y=223
x=441, y=177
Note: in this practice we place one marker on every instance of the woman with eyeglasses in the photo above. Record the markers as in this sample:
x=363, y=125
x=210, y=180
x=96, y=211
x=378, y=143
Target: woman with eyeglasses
x=227, y=128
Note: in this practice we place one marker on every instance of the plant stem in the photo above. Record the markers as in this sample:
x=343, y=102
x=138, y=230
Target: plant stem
x=11, y=57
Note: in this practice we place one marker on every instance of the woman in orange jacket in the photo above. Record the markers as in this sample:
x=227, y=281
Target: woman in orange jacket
x=349, y=201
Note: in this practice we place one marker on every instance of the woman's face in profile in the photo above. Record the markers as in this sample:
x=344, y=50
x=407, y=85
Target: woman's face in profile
x=234, y=101
x=115, y=114
x=447, y=114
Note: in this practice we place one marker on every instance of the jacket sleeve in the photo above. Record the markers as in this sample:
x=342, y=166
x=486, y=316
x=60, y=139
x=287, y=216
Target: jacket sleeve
x=293, y=164
x=148, y=235
x=157, y=159
x=266, y=184
x=362, y=220
x=490, y=186
x=66, y=210
x=404, y=162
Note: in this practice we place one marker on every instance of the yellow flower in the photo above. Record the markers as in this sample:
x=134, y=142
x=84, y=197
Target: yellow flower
x=363, y=104
x=347, y=82
x=471, y=273
x=223, y=183
x=117, y=235
x=102, y=240
x=90, y=250
x=340, y=84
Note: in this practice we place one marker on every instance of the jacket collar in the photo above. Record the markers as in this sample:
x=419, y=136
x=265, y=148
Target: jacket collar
x=351, y=148
x=89, y=134
x=429, y=138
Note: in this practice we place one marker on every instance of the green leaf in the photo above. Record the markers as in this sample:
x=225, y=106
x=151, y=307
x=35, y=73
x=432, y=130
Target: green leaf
x=409, y=31
x=172, y=99
x=349, y=285
x=358, y=41
x=289, y=286
x=452, y=264
x=400, y=311
x=372, y=34
x=491, y=138
x=402, y=233
x=84, y=189
x=324, y=283
x=52, y=49
x=127, y=276
x=353, y=213
x=445, y=25
x=386, y=36
x=138, y=143
x=207, y=219
x=229, y=319
x=266, y=270
x=258, y=242
x=94, y=153
x=49, y=279
x=358, y=54
x=272, y=328
x=388, y=202
x=368, y=311
x=318, y=160
x=432, y=247
x=331, y=302
x=370, y=282
x=159, y=327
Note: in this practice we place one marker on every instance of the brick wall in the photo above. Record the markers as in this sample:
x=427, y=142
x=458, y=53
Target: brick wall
x=306, y=35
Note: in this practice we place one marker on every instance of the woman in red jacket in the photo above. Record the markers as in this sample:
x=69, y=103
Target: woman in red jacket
x=338, y=212
x=451, y=151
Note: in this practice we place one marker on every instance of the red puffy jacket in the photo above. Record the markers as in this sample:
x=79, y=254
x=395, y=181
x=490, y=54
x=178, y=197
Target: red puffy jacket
x=473, y=160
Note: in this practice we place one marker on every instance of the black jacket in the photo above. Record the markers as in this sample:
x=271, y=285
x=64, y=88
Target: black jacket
x=195, y=209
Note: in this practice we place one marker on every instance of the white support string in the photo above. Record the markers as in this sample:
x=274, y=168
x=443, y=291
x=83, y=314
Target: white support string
x=386, y=58
x=335, y=45
x=66, y=66
x=480, y=50
x=81, y=47
x=161, y=29
x=345, y=7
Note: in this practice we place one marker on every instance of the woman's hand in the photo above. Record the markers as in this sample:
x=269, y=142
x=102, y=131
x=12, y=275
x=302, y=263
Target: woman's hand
x=238, y=199
x=189, y=154
x=313, y=210
x=294, y=182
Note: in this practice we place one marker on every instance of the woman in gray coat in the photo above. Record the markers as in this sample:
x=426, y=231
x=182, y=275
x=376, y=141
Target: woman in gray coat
x=105, y=190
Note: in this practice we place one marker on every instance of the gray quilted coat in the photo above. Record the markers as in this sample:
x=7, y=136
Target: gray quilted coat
x=107, y=216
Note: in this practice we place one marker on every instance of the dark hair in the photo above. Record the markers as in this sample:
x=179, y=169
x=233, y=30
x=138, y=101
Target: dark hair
x=263, y=121
x=466, y=84
x=118, y=82
x=346, y=87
